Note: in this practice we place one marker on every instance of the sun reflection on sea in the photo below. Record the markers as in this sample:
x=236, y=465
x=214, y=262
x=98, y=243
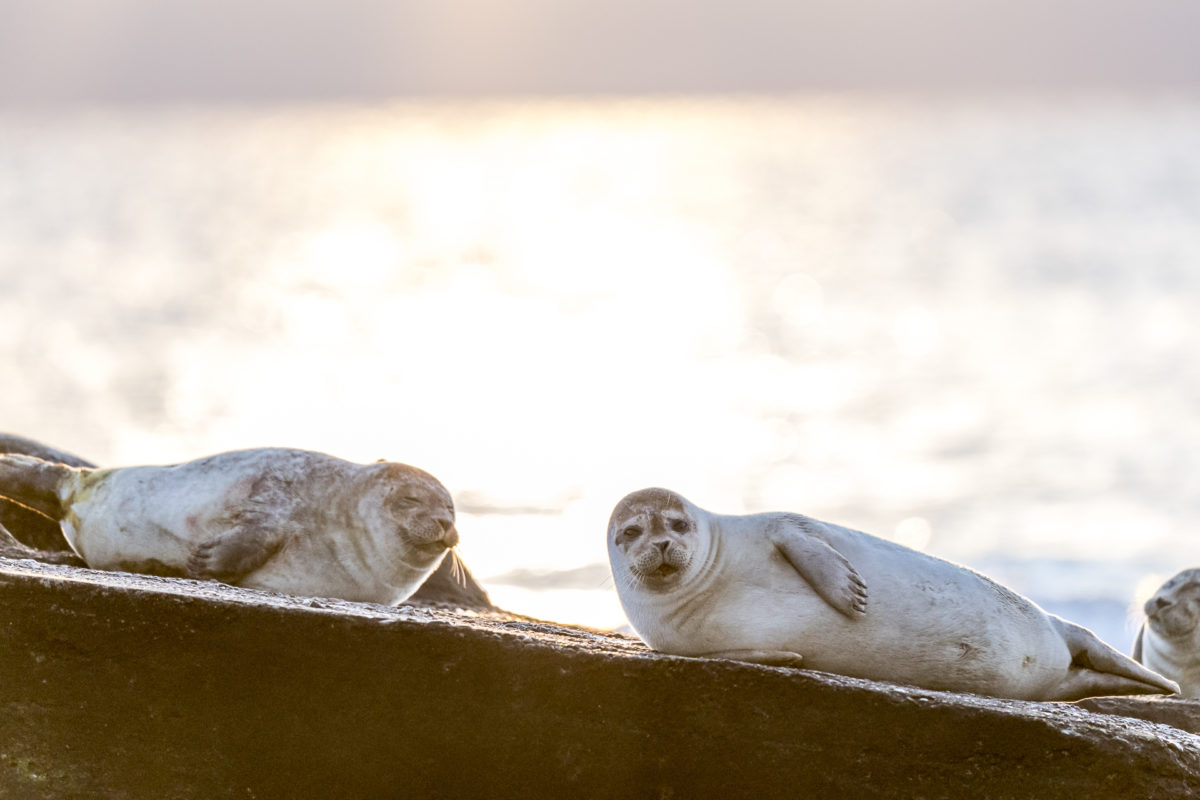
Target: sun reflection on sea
x=890, y=315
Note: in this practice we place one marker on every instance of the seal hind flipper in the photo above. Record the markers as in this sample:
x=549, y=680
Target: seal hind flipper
x=1098, y=669
x=34, y=483
x=11, y=444
x=830, y=573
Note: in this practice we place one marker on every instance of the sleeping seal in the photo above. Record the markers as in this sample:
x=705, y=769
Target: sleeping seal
x=291, y=521
x=777, y=588
x=1169, y=639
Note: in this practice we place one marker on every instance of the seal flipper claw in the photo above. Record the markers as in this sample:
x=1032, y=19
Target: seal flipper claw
x=830, y=573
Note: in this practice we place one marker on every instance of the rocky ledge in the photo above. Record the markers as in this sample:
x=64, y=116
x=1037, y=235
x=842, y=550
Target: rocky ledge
x=127, y=686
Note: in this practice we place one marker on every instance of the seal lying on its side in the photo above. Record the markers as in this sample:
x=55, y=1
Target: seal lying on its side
x=1169, y=639
x=286, y=520
x=775, y=588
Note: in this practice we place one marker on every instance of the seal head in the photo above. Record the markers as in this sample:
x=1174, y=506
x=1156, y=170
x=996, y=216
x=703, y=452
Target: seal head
x=1174, y=610
x=656, y=538
x=415, y=505
x=1169, y=640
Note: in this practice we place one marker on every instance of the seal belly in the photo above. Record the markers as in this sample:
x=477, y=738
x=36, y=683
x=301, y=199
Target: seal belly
x=930, y=623
x=139, y=517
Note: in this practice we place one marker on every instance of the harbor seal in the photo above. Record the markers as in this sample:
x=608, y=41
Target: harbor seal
x=286, y=520
x=782, y=588
x=1169, y=639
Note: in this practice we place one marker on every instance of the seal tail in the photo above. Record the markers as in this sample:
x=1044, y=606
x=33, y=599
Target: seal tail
x=34, y=483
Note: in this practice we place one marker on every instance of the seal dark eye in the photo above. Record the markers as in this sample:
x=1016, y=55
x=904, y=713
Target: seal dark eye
x=680, y=526
x=632, y=532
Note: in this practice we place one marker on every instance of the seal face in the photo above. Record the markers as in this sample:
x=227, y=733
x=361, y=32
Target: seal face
x=1169, y=640
x=658, y=538
x=782, y=588
x=287, y=520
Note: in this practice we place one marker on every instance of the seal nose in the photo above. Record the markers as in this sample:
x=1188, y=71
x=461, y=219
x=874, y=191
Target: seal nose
x=662, y=547
x=1155, y=604
x=449, y=532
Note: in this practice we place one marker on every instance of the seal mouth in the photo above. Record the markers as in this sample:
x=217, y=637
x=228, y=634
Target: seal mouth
x=665, y=570
x=1173, y=626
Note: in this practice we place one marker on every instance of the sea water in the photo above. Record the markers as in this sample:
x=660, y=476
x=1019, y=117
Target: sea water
x=964, y=324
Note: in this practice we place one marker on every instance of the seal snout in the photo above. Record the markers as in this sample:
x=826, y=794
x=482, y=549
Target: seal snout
x=1174, y=611
x=436, y=531
x=449, y=531
x=1156, y=604
x=660, y=558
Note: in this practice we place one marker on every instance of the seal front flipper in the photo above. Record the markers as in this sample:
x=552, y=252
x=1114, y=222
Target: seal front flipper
x=830, y=573
x=235, y=552
x=772, y=658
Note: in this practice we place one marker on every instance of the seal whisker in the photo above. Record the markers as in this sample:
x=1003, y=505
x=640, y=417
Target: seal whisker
x=456, y=567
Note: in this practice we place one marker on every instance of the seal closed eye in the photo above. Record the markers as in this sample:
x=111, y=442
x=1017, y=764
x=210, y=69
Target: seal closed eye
x=787, y=589
x=287, y=520
x=1169, y=639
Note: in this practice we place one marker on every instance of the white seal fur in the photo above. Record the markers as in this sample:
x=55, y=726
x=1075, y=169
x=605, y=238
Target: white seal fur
x=1169, y=640
x=286, y=520
x=786, y=589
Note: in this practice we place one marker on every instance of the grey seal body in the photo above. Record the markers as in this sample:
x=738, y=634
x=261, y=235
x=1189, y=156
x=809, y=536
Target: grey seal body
x=286, y=520
x=788, y=589
x=1169, y=639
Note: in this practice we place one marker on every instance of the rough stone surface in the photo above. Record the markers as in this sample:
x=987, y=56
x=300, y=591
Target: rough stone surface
x=11, y=547
x=1173, y=711
x=452, y=584
x=127, y=686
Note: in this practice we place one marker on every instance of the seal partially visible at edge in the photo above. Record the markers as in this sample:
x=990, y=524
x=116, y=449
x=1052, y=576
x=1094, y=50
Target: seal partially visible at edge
x=1169, y=639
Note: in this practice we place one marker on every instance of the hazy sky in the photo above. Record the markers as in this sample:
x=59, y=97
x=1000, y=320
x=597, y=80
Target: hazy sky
x=100, y=50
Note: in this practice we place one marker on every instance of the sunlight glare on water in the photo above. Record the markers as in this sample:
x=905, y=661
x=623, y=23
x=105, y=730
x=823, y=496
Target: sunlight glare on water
x=965, y=326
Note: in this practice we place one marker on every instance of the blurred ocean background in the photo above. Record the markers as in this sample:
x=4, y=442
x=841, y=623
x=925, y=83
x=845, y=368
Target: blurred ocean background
x=967, y=324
